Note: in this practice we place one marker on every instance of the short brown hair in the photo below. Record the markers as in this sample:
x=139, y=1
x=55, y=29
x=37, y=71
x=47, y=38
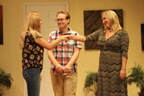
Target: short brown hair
x=63, y=12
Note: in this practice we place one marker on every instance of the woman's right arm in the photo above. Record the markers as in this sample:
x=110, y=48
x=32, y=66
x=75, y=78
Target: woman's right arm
x=51, y=45
x=77, y=38
x=91, y=37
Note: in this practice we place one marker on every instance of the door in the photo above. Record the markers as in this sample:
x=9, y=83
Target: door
x=48, y=12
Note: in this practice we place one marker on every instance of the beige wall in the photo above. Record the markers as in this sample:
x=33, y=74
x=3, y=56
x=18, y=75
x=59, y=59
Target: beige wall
x=10, y=54
x=142, y=21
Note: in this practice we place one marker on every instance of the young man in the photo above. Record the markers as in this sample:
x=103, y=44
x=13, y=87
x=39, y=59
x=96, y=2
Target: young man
x=63, y=58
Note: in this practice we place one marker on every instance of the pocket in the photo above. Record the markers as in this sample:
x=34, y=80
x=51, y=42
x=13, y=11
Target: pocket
x=71, y=43
x=70, y=50
x=35, y=71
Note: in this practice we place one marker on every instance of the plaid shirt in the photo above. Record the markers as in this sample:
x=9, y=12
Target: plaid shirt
x=64, y=51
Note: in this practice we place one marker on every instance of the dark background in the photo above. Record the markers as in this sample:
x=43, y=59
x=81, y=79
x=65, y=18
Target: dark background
x=1, y=26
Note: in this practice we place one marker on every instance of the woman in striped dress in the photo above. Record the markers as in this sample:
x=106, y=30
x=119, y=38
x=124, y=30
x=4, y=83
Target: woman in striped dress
x=113, y=42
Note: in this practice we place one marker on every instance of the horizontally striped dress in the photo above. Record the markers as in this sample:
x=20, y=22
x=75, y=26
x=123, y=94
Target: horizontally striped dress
x=110, y=62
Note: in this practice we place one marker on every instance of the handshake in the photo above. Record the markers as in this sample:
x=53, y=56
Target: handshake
x=66, y=37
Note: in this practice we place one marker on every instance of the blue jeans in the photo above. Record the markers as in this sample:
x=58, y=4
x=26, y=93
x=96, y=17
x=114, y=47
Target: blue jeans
x=32, y=77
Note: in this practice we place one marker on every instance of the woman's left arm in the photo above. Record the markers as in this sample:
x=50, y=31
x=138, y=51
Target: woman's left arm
x=124, y=39
x=123, y=68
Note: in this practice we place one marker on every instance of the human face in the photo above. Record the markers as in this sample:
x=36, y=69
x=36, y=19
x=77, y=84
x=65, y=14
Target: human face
x=62, y=22
x=106, y=22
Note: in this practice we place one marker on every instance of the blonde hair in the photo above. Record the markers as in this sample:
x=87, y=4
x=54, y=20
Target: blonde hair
x=64, y=12
x=114, y=20
x=32, y=25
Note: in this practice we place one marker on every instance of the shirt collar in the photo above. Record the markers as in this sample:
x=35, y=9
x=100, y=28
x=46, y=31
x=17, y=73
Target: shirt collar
x=67, y=33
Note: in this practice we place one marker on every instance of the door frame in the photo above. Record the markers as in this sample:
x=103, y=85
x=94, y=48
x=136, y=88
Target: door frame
x=25, y=4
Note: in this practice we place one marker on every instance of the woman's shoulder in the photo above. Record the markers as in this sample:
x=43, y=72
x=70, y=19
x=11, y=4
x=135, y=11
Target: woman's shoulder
x=38, y=35
x=28, y=34
x=121, y=31
x=101, y=30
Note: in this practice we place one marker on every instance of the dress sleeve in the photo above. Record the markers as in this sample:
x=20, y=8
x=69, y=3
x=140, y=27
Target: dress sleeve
x=93, y=36
x=124, y=43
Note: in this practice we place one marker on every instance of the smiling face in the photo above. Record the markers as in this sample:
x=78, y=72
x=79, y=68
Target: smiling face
x=62, y=22
x=106, y=22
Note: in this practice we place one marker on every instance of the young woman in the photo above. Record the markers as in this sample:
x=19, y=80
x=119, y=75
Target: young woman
x=32, y=45
x=113, y=42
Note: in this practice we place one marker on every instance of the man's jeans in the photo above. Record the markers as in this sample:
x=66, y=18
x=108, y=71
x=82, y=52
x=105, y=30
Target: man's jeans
x=32, y=77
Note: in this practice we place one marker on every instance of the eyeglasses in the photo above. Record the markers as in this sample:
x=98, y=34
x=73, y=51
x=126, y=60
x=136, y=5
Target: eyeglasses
x=60, y=20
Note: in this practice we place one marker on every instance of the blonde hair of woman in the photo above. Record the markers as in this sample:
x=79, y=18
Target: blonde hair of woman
x=32, y=24
x=114, y=20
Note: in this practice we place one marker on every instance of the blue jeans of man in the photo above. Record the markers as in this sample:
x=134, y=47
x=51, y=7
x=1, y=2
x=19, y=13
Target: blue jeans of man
x=32, y=77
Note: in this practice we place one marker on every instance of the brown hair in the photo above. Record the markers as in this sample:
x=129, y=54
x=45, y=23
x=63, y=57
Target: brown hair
x=64, y=12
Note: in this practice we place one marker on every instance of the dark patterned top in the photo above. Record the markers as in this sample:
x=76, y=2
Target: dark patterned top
x=110, y=62
x=32, y=53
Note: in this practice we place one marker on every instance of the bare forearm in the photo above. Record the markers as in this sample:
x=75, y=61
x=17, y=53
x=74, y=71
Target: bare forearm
x=123, y=68
x=55, y=43
x=58, y=67
x=52, y=58
x=49, y=46
x=74, y=58
x=124, y=61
